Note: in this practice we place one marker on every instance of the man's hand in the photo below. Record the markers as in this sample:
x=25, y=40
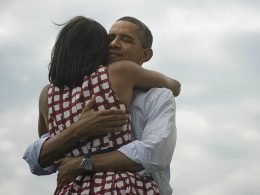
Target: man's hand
x=68, y=169
x=97, y=123
x=90, y=123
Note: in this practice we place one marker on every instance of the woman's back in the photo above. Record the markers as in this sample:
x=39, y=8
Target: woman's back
x=65, y=106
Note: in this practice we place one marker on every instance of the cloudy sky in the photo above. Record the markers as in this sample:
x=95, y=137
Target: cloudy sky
x=211, y=46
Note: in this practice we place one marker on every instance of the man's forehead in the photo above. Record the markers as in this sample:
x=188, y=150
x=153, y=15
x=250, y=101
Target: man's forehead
x=124, y=27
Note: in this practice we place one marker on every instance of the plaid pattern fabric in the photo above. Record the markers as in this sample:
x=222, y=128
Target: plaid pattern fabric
x=111, y=183
x=65, y=106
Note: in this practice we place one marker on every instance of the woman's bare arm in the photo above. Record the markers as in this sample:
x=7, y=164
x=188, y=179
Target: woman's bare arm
x=144, y=78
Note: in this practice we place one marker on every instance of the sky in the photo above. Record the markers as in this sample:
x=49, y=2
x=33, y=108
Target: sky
x=211, y=46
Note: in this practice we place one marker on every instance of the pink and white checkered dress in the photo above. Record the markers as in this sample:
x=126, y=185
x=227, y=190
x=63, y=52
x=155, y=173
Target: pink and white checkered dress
x=65, y=106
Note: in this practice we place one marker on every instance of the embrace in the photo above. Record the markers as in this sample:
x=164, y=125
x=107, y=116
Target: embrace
x=105, y=123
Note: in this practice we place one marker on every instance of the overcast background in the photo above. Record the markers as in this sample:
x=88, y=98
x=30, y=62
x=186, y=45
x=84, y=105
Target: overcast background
x=211, y=46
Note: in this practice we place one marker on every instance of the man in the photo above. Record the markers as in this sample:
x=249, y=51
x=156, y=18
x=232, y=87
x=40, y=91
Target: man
x=153, y=122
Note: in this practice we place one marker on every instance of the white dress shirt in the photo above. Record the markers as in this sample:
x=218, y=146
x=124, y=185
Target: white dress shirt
x=154, y=134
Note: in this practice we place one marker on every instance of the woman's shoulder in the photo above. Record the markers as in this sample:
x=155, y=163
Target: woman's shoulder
x=44, y=90
x=43, y=99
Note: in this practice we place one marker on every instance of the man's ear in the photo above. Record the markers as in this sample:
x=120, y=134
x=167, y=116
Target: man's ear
x=148, y=54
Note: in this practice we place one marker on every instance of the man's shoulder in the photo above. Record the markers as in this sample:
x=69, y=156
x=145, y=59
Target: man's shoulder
x=153, y=101
x=156, y=96
x=154, y=93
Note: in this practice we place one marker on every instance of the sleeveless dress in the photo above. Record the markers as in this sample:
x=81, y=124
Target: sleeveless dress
x=65, y=106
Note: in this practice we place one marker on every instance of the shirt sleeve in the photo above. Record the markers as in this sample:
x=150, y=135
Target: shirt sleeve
x=32, y=154
x=155, y=148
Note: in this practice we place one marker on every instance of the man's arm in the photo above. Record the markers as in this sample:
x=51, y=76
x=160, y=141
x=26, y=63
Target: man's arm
x=154, y=149
x=155, y=143
x=89, y=124
x=45, y=151
x=31, y=156
x=70, y=167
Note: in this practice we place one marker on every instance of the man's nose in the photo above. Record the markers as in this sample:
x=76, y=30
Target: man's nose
x=115, y=43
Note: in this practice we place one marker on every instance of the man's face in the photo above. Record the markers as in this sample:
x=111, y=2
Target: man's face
x=125, y=43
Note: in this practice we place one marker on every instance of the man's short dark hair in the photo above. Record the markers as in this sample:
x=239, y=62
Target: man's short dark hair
x=146, y=35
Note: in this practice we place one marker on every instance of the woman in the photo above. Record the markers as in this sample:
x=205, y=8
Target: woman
x=77, y=72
